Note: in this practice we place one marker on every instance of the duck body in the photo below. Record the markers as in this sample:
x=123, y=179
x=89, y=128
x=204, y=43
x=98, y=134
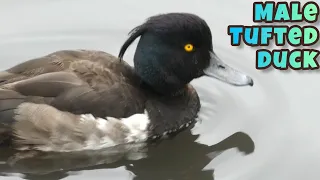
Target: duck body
x=74, y=100
x=82, y=99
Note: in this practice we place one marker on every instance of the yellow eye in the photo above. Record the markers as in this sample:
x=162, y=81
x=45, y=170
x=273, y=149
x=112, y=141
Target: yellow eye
x=188, y=47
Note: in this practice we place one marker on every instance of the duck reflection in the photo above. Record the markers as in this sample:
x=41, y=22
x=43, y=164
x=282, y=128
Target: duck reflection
x=185, y=159
x=180, y=158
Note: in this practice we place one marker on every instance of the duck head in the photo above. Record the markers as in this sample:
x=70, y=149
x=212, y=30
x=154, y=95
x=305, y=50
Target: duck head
x=176, y=48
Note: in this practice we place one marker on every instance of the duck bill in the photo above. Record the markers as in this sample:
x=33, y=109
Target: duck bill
x=221, y=71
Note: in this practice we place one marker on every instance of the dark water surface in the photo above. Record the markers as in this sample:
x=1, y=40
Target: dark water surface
x=266, y=132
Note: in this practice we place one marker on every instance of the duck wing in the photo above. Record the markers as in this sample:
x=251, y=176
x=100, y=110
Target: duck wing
x=89, y=82
x=39, y=89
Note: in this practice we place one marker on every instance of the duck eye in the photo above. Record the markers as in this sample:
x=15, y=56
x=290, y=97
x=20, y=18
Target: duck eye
x=188, y=47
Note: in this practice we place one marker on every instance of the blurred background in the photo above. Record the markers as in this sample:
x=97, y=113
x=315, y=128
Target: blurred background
x=268, y=132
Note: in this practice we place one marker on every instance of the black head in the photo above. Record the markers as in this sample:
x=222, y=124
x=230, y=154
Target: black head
x=173, y=50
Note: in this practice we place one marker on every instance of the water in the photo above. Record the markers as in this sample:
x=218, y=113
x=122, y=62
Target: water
x=266, y=132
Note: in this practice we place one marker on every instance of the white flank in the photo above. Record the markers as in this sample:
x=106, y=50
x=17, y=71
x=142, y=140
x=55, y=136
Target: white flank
x=116, y=131
x=137, y=124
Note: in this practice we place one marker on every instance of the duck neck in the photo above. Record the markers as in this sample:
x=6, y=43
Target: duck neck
x=164, y=90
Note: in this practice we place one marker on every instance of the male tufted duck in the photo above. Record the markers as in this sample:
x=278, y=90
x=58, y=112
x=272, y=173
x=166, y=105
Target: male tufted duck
x=75, y=100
